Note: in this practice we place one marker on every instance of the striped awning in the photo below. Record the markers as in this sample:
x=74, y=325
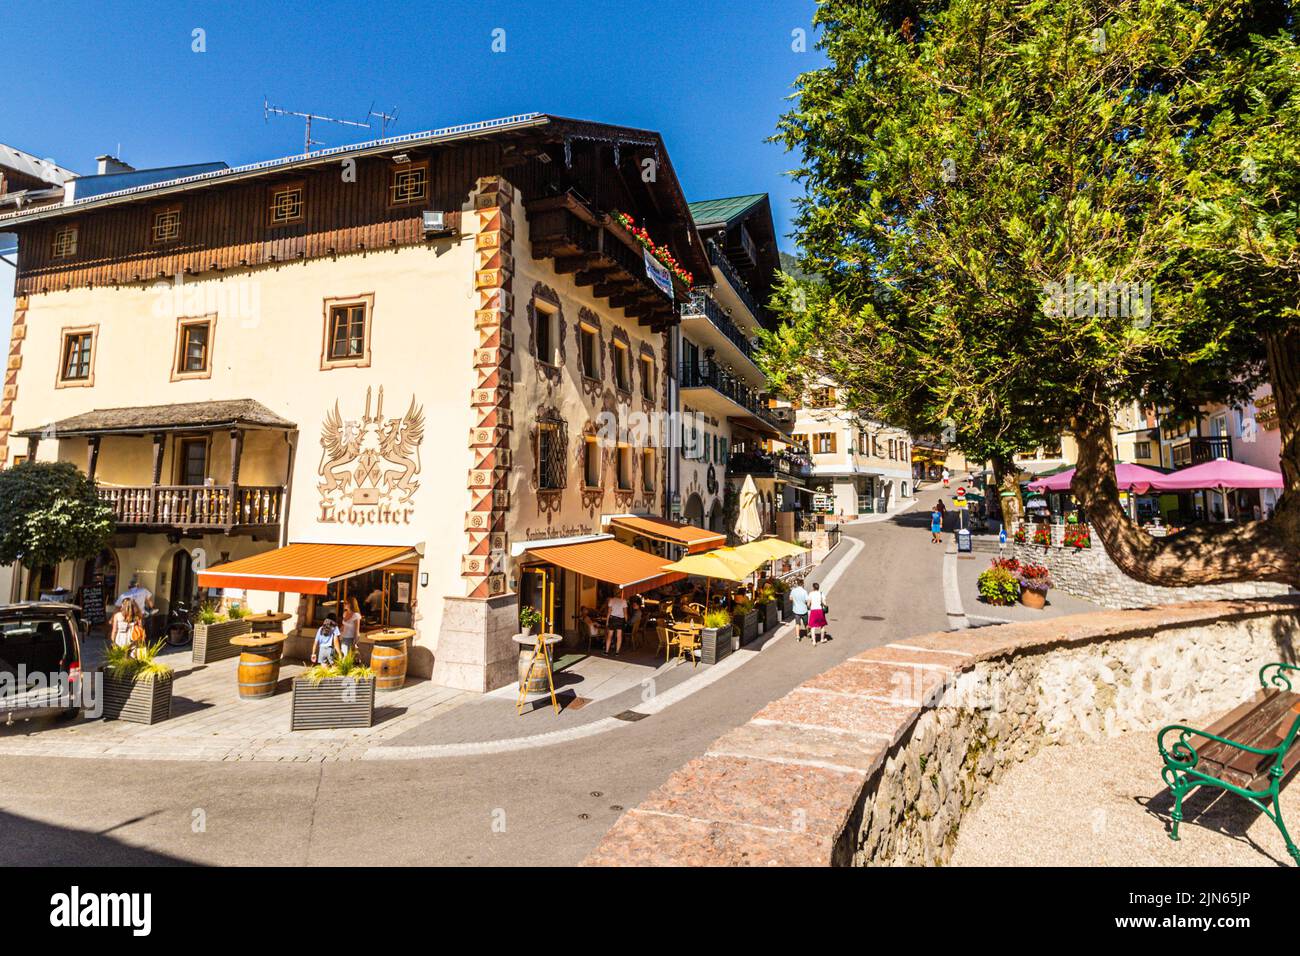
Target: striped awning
x=695, y=539
x=607, y=560
x=303, y=568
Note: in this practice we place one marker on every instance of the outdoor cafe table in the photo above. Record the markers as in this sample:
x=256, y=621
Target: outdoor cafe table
x=271, y=621
x=388, y=655
x=259, y=664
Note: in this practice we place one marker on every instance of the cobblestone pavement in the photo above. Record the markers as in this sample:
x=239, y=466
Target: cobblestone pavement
x=210, y=722
x=1104, y=804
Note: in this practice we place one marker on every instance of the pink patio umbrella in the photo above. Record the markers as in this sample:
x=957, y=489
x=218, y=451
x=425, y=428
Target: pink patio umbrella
x=1220, y=475
x=1130, y=477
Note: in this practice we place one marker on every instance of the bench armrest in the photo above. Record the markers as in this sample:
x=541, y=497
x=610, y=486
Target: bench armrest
x=1181, y=754
x=1274, y=676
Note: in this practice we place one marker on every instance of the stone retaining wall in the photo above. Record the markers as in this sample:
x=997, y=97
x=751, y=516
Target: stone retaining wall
x=1090, y=573
x=878, y=759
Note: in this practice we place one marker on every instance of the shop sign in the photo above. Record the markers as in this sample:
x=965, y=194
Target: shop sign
x=369, y=465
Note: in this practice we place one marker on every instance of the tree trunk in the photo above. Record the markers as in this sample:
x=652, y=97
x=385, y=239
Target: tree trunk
x=1005, y=475
x=1209, y=554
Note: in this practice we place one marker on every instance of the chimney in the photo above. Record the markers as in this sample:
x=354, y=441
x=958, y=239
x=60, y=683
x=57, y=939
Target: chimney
x=111, y=164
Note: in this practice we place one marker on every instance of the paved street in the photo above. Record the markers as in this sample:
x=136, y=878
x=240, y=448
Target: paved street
x=547, y=804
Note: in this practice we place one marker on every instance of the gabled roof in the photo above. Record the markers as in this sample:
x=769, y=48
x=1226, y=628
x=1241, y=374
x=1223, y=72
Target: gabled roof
x=723, y=212
x=144, y=419
x=29, y=165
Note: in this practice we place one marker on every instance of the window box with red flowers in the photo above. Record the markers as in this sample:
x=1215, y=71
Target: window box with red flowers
x=1043, y=536
x=662, y=253
x=1021, y=536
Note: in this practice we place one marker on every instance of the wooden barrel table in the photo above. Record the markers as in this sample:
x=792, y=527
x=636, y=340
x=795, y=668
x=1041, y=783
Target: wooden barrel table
x=527, y=647
x=388, y=656
x=259, y=664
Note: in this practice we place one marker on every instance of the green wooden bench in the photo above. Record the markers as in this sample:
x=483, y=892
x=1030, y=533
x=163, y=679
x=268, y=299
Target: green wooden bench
x=1248, y=751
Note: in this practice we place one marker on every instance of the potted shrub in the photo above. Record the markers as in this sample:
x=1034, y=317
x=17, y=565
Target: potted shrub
x=327, y=696
x=213, y=630
x=715, y=637
x=529, y=618
x=1035, y=581
x=137, y=686
x=999, y=584
x=745, y=612
x=767, y=602
x=782, y=588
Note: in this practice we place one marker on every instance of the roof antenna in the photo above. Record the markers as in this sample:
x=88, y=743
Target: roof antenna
x=308, y=142
x=384, y=119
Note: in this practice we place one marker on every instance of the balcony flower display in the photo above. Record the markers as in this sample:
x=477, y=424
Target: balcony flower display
x=662, y=253
x=1043, y=535
x=1020, y=536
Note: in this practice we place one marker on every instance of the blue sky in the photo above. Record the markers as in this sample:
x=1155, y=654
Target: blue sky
x=712, y=77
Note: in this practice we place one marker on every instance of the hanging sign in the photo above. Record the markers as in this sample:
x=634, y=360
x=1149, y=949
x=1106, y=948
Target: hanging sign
x=658, y=273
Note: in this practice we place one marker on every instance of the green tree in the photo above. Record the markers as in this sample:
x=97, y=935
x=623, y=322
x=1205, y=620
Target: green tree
x=49, y=513
x=1026, y=214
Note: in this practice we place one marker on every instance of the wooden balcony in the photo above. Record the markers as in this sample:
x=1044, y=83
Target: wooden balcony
x=599, y=253
x=227, y=509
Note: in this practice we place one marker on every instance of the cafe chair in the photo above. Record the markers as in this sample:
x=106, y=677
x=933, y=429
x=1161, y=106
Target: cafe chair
x=688, y=642
x=667, y=638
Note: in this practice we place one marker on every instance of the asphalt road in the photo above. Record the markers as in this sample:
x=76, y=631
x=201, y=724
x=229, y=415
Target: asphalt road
x=548, y=805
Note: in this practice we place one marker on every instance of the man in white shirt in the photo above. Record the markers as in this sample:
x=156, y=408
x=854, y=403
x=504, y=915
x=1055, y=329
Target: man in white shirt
x=142, y=596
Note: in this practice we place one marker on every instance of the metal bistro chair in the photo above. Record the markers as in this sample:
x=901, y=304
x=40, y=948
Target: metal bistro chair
x=688, y=642
x=667, y=637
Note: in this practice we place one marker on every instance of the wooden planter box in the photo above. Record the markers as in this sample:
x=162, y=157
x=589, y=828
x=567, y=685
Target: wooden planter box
x=773, y=613
x=334, y=702
x=748, y=626
x=139, y=701
x=715, y=644
x=212, y=641
x=786, y=606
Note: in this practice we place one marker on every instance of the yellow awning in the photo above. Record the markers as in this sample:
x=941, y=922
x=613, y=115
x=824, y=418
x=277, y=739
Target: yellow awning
x=695, y=539
x=303, y=568
x=610, y=561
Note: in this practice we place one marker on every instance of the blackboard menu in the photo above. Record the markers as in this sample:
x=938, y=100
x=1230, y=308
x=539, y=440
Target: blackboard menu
x=92, y=604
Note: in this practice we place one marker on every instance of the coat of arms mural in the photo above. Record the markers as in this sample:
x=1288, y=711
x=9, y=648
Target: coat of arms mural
x=368, y=466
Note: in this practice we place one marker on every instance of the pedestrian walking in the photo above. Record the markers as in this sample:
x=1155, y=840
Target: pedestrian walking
x=326, y=645
x=351, y=629
x=799, y=606
x=817, y=613
x=936, y=525
x=121, y=629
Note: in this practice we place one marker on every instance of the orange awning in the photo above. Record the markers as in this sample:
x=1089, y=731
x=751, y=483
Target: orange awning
x=607, y=560
x=303, y=568
x=695, y=539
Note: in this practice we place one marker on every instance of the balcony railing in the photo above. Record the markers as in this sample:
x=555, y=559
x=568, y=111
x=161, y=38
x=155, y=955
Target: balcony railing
x=711, y=375
x=763, y=463
x=741, y=287
x=221, y=507
x=1194, y=450
x=700, y=303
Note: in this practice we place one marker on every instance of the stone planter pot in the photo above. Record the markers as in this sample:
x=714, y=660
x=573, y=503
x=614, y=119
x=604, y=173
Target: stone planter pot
x=748, y=626
x=212, y=641
x=334, y=702
x=138, y=701
x=1034, y=599
x=715, y=644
